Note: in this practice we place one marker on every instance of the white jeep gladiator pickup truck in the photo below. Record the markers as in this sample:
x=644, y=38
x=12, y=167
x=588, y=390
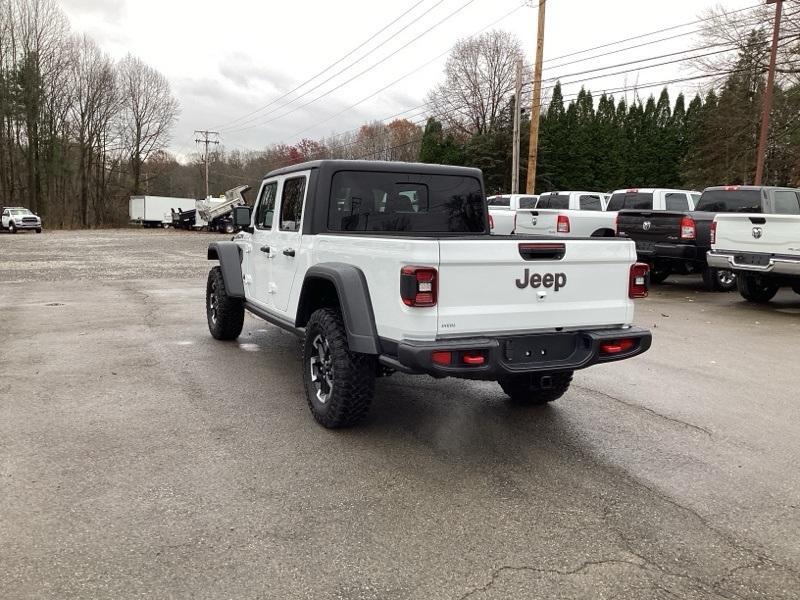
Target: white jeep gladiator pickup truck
x=381, y=267
x=503, y=211
x=568, y=214
x=762, y=249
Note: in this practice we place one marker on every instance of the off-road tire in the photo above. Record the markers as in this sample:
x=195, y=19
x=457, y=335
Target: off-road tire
x=525, y=389
x=38, y=230
x=755, y=289
x=715, y=280
x=225, y=315
x=659, y=275
x=12, y=228
x=353, y=374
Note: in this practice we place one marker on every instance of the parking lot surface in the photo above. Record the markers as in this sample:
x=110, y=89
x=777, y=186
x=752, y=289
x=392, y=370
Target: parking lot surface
x=141, y=458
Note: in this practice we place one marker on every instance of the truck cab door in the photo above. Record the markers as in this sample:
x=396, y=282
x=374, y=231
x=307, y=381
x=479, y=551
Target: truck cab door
x=286, y=238
x=259, y=270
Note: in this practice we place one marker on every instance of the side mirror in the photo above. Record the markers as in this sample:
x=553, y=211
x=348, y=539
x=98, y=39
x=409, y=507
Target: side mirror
x=242, y=217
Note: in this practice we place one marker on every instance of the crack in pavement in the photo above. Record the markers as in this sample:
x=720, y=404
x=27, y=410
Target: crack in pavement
x=708, y=432
x=496, y=573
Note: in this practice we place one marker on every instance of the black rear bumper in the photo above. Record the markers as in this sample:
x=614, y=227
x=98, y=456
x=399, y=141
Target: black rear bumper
x=661, y=250
x=511, y=355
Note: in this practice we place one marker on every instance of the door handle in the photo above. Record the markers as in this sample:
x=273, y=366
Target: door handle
x=288, y=252
x=265, y=249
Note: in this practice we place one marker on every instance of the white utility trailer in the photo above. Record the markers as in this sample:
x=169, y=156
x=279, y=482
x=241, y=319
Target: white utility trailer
x=156, y=211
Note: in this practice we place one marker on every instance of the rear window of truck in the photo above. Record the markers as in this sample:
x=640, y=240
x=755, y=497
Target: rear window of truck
x=501, y=201
x=560, y=201
x=528, y=202
x=590, y=202
x=727, y=201
x=631, y=200
x=405, y=202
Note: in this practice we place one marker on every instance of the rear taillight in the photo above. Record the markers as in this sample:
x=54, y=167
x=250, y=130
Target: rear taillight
x=459, y=358
x=731, y=188
x=442, y=357
x=713, y=232
x=637, y=286
x=491, y=222
x=688, y=231
x=562, y=225
x=418, y=286
x=617, y=346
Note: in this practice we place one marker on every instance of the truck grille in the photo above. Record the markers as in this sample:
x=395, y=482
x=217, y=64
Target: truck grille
x=29, y=220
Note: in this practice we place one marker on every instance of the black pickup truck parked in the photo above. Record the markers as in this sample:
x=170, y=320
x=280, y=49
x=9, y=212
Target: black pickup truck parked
x=678, y=241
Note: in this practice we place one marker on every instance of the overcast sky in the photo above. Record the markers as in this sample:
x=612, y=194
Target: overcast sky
x=228, y=58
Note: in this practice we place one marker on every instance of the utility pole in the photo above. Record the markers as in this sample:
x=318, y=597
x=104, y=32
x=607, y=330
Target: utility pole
x=206, y=139
x=767, y=104
x=517, y=111
x=536, y=102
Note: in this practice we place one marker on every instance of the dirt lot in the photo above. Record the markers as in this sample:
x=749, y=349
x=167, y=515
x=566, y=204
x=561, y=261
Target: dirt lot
x=141, y=458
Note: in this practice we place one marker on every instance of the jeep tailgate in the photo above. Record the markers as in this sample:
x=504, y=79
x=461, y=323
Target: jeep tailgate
x=758, y=233
x=511, y=286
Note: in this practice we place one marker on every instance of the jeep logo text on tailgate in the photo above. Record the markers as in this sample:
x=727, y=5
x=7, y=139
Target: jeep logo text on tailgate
x=548, y=280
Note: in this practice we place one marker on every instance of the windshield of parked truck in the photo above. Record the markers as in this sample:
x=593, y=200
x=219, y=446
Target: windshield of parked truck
x=746, y=201
x=631, y=200
x=406, y=202
x=19, y=212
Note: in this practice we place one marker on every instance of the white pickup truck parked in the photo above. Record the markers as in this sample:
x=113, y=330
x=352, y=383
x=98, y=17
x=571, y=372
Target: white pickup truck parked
x=503, y=211
x=569, y=214
x=383, y=267
x=762, y=249
x=652, y=199
x=16, y=218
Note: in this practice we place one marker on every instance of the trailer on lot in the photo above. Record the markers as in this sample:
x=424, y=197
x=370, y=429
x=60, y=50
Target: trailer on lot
x=156, y=211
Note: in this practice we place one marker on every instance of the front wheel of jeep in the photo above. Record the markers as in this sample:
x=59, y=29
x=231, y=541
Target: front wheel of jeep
x=225, y=314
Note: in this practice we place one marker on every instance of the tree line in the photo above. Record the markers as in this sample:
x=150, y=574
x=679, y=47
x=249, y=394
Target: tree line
x=77, y=128
x=607, y=143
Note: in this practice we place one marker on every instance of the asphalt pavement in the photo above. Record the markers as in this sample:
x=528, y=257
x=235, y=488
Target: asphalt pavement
x=140, y=458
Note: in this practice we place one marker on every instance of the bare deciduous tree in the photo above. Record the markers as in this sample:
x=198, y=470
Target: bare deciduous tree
x=96, y=101
x=149, y=111
x=479, y=78
x=733, y=29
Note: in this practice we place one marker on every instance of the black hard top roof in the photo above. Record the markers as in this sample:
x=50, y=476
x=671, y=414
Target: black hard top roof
x=377, y=166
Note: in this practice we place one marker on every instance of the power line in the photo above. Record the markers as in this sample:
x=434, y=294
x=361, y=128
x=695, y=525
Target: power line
x=561, y=65
x=333, y=64
x=401, y=78
x=644, y=35
x=368, y=97
x=206, y=138
x=360, y=73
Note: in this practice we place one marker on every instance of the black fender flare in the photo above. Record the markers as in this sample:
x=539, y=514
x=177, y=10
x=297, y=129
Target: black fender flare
x=354, y=301
x=229, y=256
